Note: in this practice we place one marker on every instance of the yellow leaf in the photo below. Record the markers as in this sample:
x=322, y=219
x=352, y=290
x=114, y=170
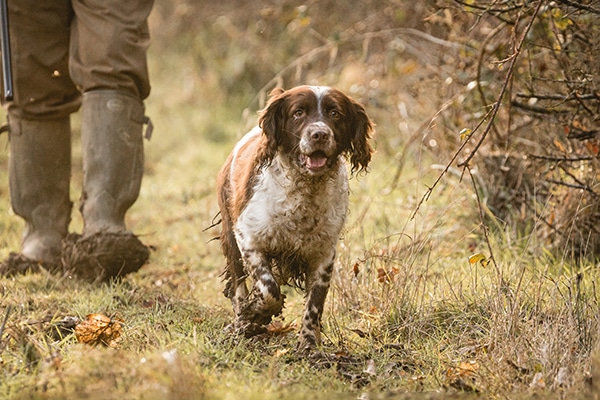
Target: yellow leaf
x=479, y=258
x=560, y=20
x=304, y=21
x=99, y=329
x=464, y=133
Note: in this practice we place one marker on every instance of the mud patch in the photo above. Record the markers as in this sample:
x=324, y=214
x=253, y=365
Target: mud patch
x=103, y=256
x=18, y=264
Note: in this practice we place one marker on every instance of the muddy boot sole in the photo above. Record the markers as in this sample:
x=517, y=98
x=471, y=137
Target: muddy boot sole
x=103, y=255
x=18, y=264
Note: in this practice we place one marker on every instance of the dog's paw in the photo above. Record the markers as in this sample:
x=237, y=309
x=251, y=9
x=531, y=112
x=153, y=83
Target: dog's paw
x=245, y=328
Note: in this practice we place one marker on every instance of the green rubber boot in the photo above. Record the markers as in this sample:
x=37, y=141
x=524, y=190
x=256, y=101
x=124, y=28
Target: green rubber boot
x=39, y=177
x=113, y=165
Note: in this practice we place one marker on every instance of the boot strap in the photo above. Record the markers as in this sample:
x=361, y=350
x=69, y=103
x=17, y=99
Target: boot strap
x=147, y=122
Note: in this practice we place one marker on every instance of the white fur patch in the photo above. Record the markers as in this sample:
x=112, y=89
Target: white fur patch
x=320, y=91
x=282, y=217
x=245, y=139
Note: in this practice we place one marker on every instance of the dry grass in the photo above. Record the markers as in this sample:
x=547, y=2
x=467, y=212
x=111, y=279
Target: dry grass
x=407, y=312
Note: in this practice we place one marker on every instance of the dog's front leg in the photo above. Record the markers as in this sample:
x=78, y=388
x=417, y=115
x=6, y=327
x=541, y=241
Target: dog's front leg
x=265, y=300
x=317, y=286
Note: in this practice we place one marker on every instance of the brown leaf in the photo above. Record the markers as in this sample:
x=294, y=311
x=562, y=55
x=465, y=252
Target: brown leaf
x=386, y=276
x=462, y=376
x=99, y=329
x=463, y=369
x=277, y=327
x=355, y=269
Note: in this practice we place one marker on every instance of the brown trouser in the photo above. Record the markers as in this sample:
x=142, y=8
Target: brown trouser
x=62, y=48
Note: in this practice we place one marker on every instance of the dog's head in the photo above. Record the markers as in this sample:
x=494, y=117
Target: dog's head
x=310, y=126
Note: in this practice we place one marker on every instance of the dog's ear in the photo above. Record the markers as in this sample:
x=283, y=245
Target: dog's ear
x=361, y=128
x=271, y=121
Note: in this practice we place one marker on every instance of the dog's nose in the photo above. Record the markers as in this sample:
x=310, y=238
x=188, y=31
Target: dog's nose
x=319, y=135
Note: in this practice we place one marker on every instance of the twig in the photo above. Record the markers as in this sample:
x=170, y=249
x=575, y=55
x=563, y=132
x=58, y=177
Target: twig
x=496, y=106
x=482, y=53
x=489, y=9
x=565, y=159
x=8, y=309
x=580, y=6
x=447, y=168
x=574, y=186
x=539, y=110
x=560, y=97
x=491, y=114
x=581, y=134
x=577, y=181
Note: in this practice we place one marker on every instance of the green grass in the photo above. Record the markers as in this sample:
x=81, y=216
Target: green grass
x=405, y=312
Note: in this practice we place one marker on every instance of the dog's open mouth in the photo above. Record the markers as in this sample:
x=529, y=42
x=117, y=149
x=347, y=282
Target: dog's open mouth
x=314, y=161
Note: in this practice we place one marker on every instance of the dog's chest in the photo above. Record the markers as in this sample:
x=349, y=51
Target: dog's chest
x=284, y=215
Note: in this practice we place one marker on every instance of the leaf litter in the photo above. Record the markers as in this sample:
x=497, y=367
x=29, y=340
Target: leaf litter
x=99, y=329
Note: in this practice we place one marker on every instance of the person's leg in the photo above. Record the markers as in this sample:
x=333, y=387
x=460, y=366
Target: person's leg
x=109, y=43
x=39, y=130
x=108, y=62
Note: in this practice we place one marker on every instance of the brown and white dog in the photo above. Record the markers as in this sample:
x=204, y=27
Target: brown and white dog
x=283, y=197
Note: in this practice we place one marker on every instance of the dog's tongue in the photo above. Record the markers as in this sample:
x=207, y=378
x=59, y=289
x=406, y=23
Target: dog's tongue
x=316, y=161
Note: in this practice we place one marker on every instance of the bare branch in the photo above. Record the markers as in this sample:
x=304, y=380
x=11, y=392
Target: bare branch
x=536, y=109
x=560, y=97
x=574, y=186
x=490, y=115
x=563, y=159
x=580, y=6
x=507, y=80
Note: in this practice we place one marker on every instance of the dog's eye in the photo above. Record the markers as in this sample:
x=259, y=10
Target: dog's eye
x=298, y=113
x=334, y=114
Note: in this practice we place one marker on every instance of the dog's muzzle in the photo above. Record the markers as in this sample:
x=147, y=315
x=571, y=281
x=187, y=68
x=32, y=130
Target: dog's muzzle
x=317, y=146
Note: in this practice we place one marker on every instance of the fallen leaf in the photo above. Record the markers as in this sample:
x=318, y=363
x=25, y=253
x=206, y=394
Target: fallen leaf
x=463, y=369
x=277, y=327
x=384, y=276
x=479, y=258
x=463, y=376
x=99, y=329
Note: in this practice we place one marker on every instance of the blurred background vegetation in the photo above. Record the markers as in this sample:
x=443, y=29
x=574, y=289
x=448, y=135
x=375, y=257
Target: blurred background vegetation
x=430, y=73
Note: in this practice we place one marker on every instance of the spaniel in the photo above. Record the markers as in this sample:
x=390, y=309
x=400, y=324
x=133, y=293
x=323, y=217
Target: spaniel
x=283, y=199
